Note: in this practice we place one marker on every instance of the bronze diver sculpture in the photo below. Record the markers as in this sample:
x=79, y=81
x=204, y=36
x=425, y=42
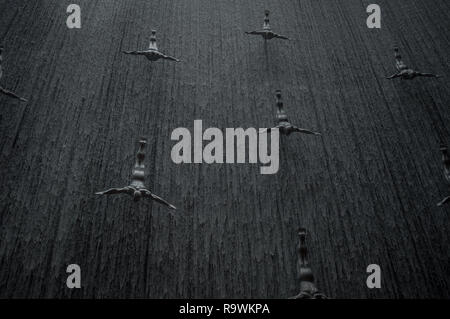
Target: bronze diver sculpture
x=446, y=162
x=266, y=31
x=152, y=54
x=308, y=289
x=137, y=188
x=405, y=72
x=2, y=89
x=284, y=126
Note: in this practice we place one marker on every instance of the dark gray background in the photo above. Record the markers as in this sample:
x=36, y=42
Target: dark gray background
x=367, y=190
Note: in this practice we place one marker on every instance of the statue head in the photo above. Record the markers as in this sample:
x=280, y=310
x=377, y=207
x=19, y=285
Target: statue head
x=278, y=94
x=137, y=195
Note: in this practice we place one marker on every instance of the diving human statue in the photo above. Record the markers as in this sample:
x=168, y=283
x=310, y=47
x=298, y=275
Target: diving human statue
x=405, y=72
x=152, y=54
x=446, y=162
x=137, y=188
x=284, y=126
x=266, y=31
x=2, y=89
x=308, y=289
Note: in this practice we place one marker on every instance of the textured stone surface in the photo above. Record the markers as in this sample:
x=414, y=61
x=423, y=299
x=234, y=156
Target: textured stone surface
x=367, y=190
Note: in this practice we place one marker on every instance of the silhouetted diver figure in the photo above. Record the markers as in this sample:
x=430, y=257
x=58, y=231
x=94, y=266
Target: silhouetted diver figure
x=137, y=188
x=2, y=89
x=446, y=162
x=308, y=289
x=152, y=54
x=267, y=32
x=405, y=72
x=284, y=126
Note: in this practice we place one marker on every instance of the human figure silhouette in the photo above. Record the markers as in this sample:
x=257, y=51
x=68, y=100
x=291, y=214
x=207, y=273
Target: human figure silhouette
x=2, y=89
x=446, y=162
x=308, y=289
x=137, y=188
x=152, y=54
x=266, y=31
x=405, y=72
x=284, y=126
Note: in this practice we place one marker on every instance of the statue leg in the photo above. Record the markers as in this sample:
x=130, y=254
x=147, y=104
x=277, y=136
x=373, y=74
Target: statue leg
x=445, y=201
x=12, y=94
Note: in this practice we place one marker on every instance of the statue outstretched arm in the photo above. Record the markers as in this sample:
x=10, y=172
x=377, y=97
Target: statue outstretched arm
x=12, y=94
x=133, y=52
x=302, y=295
x=279, y=36
x=168, y=57
x=393, y=76
x=114, y=191
x=445, y=201
x=427, y=75
x=158, y=199
x=254, y=32
x=305, y=131
x=309, y=295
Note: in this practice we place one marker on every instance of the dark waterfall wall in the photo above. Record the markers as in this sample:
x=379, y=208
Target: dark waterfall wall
x=366, y=190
